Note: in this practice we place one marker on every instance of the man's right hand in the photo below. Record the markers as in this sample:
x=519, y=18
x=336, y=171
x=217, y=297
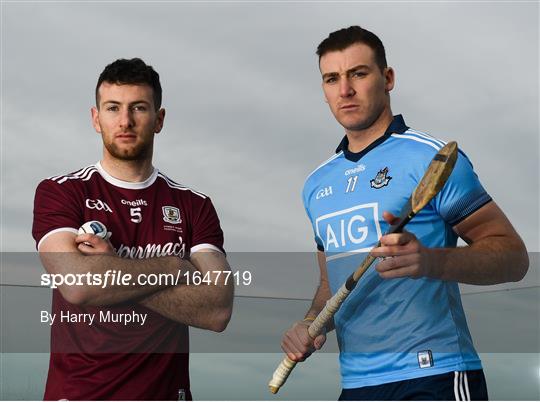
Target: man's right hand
x=90, y=244
x=297, y=343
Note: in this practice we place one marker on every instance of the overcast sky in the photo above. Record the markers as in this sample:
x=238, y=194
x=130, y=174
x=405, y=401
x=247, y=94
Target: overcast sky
x=246, y=121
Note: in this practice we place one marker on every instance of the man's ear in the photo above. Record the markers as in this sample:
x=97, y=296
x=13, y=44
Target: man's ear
x=389, y=79
x=159, y=120
x=95, y=119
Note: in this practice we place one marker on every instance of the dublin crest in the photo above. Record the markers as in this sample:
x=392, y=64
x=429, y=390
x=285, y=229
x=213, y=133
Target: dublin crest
x=381, y=179
x=171, y=214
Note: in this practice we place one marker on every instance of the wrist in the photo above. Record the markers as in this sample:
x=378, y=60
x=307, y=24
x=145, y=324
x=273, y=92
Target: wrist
x=308, y=319
x=434, y=263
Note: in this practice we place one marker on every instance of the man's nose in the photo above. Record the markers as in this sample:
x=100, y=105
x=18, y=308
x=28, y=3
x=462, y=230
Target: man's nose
x=126, y=119
x=345, y=88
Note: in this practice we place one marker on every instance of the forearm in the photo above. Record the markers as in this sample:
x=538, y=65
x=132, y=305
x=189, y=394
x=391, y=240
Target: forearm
x=104, y=291
x=202, y=306
x=319, y=301
x=207, y=305
x=486, y=262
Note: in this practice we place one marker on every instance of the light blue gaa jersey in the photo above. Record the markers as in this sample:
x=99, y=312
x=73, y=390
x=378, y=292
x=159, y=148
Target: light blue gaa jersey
x=397, y=329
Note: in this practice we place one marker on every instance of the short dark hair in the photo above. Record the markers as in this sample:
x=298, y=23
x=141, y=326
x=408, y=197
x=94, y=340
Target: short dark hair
x=343, y=38
x=131, y=71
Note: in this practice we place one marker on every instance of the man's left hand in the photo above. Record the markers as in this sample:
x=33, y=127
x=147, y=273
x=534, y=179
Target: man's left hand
x=402, y=254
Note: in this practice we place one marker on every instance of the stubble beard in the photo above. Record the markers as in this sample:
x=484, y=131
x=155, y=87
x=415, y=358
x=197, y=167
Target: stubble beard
x=360, y=124
x=363, y=122
x=135, y=153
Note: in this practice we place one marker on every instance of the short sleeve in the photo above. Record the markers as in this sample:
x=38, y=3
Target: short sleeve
x=462, y=195
x=206, y=229
x=55, y=209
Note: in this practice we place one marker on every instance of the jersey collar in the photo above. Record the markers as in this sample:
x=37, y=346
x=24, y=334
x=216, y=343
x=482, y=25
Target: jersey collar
x=396, y=126
x=127, y=184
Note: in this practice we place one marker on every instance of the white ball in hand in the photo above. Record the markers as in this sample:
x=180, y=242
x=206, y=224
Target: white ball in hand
x=94, y=227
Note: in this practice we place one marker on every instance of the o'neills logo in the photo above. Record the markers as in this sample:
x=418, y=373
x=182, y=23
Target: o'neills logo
x=153, y=250
x=136, y=203
x=357, y=169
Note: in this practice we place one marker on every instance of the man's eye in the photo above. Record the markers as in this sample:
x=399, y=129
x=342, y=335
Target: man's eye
x=359, y=74
x=112, y=108
x=330, y=80
x=139, y=108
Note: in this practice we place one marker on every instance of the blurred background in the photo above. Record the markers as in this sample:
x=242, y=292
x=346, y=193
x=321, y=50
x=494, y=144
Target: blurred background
x=245, y=124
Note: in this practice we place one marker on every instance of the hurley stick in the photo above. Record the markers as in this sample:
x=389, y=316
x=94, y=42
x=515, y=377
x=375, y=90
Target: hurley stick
x=433, y=181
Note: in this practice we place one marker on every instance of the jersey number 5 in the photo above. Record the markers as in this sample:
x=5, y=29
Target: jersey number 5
x=136, y=216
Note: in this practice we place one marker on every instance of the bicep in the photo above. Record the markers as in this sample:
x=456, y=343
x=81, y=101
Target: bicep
x=488, y=221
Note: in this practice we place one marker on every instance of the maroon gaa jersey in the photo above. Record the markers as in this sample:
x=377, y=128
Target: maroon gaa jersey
x=105, y=359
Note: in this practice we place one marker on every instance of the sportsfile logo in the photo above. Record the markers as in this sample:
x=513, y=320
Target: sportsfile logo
x=350, y=230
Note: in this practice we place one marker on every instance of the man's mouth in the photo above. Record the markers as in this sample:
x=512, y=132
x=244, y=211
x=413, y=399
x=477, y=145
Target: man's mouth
x=126, y=135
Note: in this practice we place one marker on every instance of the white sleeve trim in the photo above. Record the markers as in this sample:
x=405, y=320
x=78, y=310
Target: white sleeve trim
x=66, y=229
x=202, y=246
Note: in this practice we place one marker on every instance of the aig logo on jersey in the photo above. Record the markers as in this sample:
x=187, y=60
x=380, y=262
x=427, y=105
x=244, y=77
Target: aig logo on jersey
x=98, y=204
x=353, y=229
x=324, y=192
x=171, y=215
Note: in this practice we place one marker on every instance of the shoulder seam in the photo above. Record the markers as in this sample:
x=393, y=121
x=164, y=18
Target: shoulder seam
x=426, y=136
x=437, y=147
x=324, y=163
x=172, y=184
x=82, y=174
x=77, y=172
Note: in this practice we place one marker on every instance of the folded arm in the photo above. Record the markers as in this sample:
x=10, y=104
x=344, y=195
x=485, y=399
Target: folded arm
x=65, y=253
x=207, y=305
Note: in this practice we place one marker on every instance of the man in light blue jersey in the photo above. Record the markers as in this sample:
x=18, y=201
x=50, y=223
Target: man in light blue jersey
x=402, y=332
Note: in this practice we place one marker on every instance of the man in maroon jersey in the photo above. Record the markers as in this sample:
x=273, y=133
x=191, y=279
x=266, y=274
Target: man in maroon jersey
x=128, y=341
